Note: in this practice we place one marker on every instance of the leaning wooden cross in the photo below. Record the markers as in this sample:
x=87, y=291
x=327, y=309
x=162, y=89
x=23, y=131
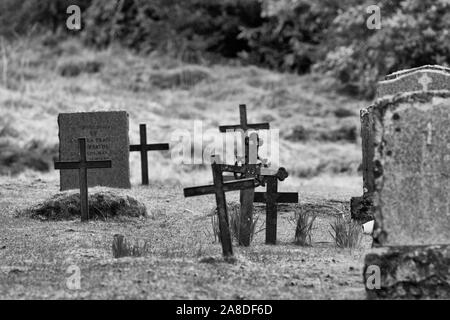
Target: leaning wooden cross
x=143, y=148
x=83, y=165
x=219, y=188
x=271, y=197
x=250, y=160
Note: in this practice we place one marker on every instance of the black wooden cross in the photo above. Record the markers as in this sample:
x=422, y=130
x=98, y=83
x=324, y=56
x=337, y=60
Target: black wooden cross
x=245, y=126
x=143, y=148
x=219, y=188
x=250, y=160
x=83, y=165
x=271, y=197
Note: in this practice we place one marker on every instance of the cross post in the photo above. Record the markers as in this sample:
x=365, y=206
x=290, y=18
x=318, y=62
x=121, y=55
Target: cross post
x=219, y=188
x=143, y=148
x=83, y=165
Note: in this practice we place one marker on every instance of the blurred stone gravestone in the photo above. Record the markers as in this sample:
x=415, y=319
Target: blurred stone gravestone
x=422, y=79
x=106, y=136
x=411, y=202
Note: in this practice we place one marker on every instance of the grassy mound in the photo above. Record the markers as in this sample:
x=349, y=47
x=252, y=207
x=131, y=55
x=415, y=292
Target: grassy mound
x=104, y=204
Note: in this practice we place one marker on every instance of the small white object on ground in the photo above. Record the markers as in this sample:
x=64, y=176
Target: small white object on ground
x=368, y=227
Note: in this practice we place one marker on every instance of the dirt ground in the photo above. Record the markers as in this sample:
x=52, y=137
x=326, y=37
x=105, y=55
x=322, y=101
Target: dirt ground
x=183, y=261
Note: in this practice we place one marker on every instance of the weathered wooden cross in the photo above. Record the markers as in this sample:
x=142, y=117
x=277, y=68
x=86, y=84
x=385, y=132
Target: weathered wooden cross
x=83, y=165
x=219, y=188
x=143, y=148
x=250, y=160
x=271, y=197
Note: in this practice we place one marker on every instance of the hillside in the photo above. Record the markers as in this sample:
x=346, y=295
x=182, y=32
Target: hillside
x=319, y=130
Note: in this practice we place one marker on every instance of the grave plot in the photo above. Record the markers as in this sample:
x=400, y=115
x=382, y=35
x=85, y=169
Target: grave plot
x=252, y=165
x=83, y=165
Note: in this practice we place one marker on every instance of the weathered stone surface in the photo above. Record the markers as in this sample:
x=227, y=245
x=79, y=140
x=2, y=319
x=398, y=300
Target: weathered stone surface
x=107, y=139
x=412, y=169
x=426, y=78
x=408, y=272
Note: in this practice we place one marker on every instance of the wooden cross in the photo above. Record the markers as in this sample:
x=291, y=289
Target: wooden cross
x=250, y=159
x=83, y=165
x=143, y=148
x=245, y=126
x=219, y=188
x=271, y=197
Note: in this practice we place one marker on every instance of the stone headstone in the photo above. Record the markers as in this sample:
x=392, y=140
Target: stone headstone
x=422, y=79
x=107, y=139
x=426, y=78
x=412, y=157
x=411, y=199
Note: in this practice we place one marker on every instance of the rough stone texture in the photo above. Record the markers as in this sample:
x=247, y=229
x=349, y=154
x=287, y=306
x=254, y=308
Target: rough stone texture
x=426, y=78
x=107, y=139
x=432, y=78
x=412, y=169
x=104, y=203
x=409, y=272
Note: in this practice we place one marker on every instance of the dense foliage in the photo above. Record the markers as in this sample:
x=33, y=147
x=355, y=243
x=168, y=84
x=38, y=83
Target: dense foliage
x=328, y=36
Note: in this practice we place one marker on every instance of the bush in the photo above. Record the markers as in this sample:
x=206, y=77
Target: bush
x=413, y=33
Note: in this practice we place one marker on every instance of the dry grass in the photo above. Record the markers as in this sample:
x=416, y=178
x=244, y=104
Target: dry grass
x=123, y=248
x=346, y=233
x=234, y=218
x=169, y=95
x=303, y=221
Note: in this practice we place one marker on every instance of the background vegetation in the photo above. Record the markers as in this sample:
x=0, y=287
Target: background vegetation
x=169, y=62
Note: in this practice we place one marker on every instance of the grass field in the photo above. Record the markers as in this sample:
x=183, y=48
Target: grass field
x=182, y=262
x=319, y=146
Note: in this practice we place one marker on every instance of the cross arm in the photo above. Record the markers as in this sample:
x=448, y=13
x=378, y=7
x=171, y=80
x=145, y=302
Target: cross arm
x=227, y=186
x=98, y=164
x=149, y=147
x=282, y=197
x=60, y=165
x=254, y=126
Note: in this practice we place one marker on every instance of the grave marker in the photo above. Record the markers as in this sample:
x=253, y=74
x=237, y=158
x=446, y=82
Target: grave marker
x=83, y=165
x=271, y=197
x=106, y=136
x=251, y=144
x=411, y=196
x=422, y=79
x=219, y=188
x=143, y=148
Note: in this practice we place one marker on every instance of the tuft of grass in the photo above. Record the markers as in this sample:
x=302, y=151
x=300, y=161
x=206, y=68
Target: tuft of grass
x=234, y=218
x=304, y=221
x=122, y=248
x=346, y=233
